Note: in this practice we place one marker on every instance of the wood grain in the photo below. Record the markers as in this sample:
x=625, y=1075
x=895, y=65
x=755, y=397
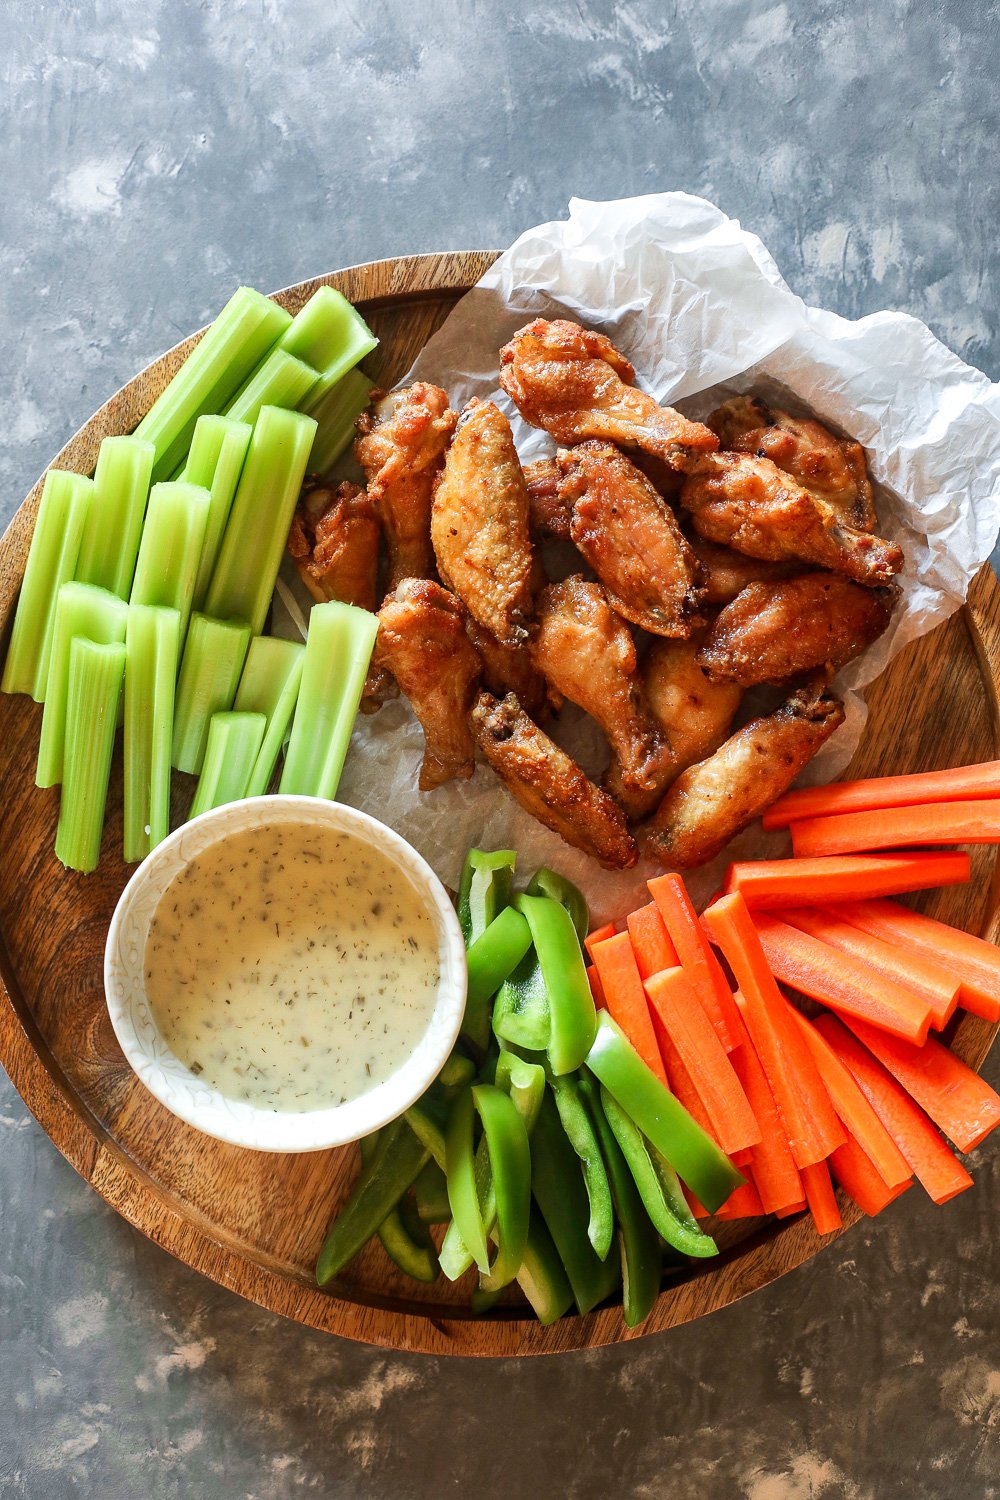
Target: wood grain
x=254, y=1222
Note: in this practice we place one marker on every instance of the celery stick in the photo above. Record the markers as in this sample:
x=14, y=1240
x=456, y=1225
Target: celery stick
x=329, y=334
x=152, y=647
x=55, y=546
x=218, y=449
x=170, y=552
x=81, y=609
x=114, y=521
x=336, y=413
x=95, y=684
x=281, y=380
x=209, y=675
x=338, y=650
x=233, y=745
x=254, y=539
x=270, y=686
x=227, y=353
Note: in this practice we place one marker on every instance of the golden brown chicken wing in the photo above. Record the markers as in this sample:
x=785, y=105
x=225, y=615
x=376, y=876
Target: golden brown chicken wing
x=549, y=785
x=832, y=468
x=718, y=797
x=401, y=446
x=334, y=543
x=773, y=631
x=509, y=669
x=725, y=573
x=479, y=524
x=749, y=504
x=422, y=642
x=548, y=513
x=576, y=385
x=630, y=538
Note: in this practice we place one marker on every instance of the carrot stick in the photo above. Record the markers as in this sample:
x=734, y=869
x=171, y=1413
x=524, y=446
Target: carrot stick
x=960, y=1103
x=897, y=827
x=599, y=935
x=771, y=1162
x=861, y=1180
x=959, y=784
x=626, y=998
x=821, y=1200
x=695, y=954
x=743, y=1204
x=679, y=1080
x=841, y=981
x=934, y=1166
x=596, y=988
x=793, y=1208
x=976, y=963
x=924, y=975
x=806, y=882
x=671, y=995
x=807, y=1115
x=650, y=941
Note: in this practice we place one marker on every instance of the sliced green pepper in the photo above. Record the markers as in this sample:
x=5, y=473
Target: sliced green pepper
x=573, y=1018
x=692, y=1153
x=403, y=1237
x=542, y=1277
x=658, y=1186
x=456, y=1073
x=546, y=882
x=559, y=1192
x=510, y=1165
x=521, y=1009
x=582, y=1137
x=395, y=1163
x=430, y=1192
x=486, y=886
x=460, y=1170
x=492, y=958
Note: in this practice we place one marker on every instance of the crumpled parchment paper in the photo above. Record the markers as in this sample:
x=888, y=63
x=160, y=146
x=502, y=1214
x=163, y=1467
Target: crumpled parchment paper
x=700, y=308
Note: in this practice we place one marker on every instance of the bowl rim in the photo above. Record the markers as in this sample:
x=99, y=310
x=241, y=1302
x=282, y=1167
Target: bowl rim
x=198, y=1103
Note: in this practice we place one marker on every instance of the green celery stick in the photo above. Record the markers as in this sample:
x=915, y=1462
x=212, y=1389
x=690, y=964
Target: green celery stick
x=210, y=672
x=232, y=747
x=110, y=540
x=336, y=413
x=81, y=609
x=338, y=650
x=55, y=546
x=328, y=334
x=152, y=648
x=270, y=686
x=95, y=684
x=254, y=539
x=170, y=551
x=218, y=449
x=280, y=380
x=227, y=353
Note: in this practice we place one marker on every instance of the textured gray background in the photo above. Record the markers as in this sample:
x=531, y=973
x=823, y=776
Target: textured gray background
x=151, y=157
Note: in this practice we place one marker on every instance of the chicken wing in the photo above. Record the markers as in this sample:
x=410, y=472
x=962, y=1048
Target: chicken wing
x=549, y=515
x=401, y=446
x=479, y=524
x=630, y=538
x=832, y=468
x=725, y=573
x=716, y=798
x=773, y=631
x=508, y=669
x=334, y=543
x=576, y=385
x=422, y=642
x=549, y=785
x=748, y=503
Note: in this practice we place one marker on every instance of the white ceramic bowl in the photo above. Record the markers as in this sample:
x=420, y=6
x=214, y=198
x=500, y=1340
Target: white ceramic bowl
x=187, y=1095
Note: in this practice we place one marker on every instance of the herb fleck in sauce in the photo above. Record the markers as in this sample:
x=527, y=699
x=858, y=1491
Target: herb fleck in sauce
x=292, y=967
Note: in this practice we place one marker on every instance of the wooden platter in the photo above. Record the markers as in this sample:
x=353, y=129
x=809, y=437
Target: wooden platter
x=254, y=1222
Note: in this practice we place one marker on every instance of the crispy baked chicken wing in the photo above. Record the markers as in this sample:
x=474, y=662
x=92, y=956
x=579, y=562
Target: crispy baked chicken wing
x=629, y=536
x=401, y=446
x=549, y=785
x=750, y=504
x=772, y=631
x=832, y=468
x=716, y=798
x=576, y=385
x=422, y=642
x=508, y=669
x=479, y=524
x=334, y=543
x=549, y=515
x=725, y=573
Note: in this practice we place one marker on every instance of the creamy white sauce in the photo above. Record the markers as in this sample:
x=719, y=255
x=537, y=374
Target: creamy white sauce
x=292, y=967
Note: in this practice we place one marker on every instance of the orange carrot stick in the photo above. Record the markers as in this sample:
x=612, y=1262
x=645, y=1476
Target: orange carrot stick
x=821, y=1200
x=672, y=996
x=626, y=998
x=679, y=1080
x=841, y=981
x=899, y=827
x=695, y=954
x=771, y=1162
x=960, y=1103
x=959, y=784
x=975, y=962
x=861, y=1180
x=599, y=935
x=650, y=941
x=934, y=1166
x=925, y=976
x=743, y=1204
x=596, y=988
x=807, y=882
x=793, y=1208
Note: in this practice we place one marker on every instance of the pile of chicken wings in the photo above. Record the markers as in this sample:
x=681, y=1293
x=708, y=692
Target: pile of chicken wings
x=711, y=559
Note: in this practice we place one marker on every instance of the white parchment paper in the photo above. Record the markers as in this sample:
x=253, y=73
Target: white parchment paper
x=700, y=308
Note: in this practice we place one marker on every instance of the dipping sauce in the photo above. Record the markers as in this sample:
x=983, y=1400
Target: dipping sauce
x=292, y=967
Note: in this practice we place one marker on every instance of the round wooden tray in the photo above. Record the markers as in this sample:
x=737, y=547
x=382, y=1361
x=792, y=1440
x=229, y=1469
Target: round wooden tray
x=254, y=1222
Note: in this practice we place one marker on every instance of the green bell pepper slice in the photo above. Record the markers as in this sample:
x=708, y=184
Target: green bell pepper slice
x=403, y=1236
x=521, y=1009
x=394, y=1165
x=546, y=882
x=542, y=1277
x=573, y=1017
x=510, y=1166
x=558, y=1188
x=657, y=1185
x=485, y=888
x=460, y=1170
x=492, y=958
x=692, y=1153
x=430, y=1193
x=580, y=1132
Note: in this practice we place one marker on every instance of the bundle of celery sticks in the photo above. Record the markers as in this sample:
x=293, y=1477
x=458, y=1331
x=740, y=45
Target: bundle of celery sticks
x=148, y=585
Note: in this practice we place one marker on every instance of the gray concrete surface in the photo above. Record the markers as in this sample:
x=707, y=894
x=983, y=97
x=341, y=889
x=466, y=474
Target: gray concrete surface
x=152, y=156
